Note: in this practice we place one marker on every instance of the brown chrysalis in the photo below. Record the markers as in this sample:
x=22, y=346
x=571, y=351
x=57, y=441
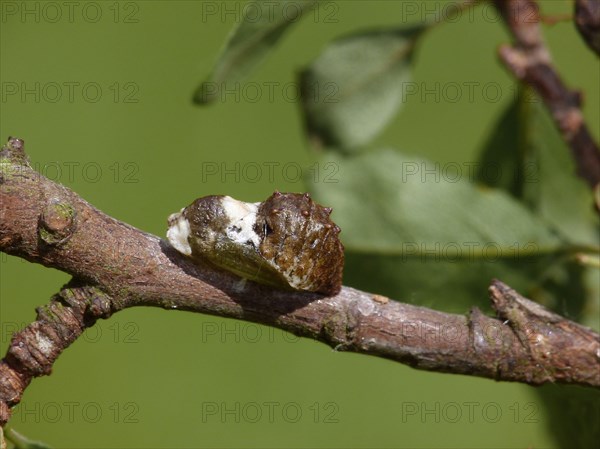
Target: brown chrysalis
x=286, y=241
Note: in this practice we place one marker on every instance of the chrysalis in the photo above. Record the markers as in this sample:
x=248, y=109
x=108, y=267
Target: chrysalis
x=286, y=241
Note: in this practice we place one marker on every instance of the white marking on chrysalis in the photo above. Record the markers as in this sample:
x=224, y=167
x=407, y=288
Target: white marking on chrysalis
x=234, y=235
x=178, y=233
x=242, y=217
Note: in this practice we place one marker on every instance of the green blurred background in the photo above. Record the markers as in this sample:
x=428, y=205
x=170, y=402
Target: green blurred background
x=128, y=140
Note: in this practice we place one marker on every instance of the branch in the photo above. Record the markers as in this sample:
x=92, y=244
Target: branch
x=116, y=266
x=529, y=60
x=34, y=350
x=587, y=21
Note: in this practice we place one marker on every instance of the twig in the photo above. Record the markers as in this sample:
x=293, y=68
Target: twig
x=553, y=19
x=116, y=266
x=587, y=21
x=529, y=61
x=34, y=350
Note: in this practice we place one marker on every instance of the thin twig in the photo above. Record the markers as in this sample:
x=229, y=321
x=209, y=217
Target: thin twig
x=587, y=21
x=529, y=60
x=553, y=19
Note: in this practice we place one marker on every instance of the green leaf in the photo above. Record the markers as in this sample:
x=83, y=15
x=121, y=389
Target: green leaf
x=501, y=163
x=417, y=234
x=559, y=195
x=405, y=199
x=527, y=157
x=262, y=25
x=356, y=86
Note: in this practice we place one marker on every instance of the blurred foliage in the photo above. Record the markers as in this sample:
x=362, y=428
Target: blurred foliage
x=413, y=232
x=435, y=196
x=355, y=87
x=262, y=24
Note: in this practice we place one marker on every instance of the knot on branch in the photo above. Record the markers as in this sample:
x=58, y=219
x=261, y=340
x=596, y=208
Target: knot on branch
x=342, y=330
x=14, y=151
x=553, y=344
x=57, y=223
x=492, y=347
